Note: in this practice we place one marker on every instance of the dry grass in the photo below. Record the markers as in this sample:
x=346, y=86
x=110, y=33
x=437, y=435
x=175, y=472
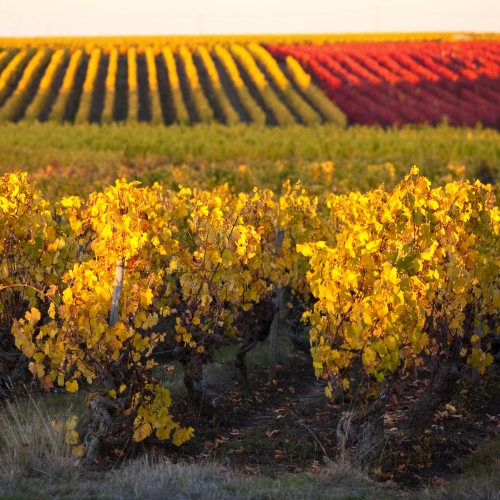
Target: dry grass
x=35, y=462
x=147, y=479
x=30, y=446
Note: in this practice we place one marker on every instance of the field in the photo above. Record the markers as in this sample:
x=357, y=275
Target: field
x=233, y=81
x=297, y=299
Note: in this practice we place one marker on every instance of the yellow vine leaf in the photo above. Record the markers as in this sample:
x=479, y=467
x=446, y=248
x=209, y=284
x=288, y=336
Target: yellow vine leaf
x=71, y=386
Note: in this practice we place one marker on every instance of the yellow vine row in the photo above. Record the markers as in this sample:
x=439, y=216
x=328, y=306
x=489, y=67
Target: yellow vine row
x=16, y=101
x=6, y=56
x=154, y=94
x=181, y=113
x=255, y=112
x=13, y=69
x=59, y=109
x=200, y=102
x=110, y=87
x=45, y=88
x=83, y=113
x=301, y=108
x=230, y=115
x=133, y=91
x=396, y=276
x=278, y=109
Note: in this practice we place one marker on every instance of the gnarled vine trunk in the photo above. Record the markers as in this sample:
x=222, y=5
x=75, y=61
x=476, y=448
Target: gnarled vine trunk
x=194, y=379
x=254, y=326
x=440, y=390
x=297, y=326
x=360, y=431
x=445, y=365
x=100, y=425
x=13, y=364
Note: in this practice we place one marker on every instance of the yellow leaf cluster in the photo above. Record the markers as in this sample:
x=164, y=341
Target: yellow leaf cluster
x=153, y=416
x=405, y=269
x=394, y=274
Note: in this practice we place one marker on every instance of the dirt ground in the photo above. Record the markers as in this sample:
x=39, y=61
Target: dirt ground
x=290, y=426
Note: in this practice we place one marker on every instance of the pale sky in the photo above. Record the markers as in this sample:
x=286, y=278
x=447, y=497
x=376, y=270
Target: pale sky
x=166, y=17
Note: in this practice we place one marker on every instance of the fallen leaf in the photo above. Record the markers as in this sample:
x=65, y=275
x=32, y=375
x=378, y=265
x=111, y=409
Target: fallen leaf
x=249, y=469
x=168, y=369
x=440, y=480
x=450, y=408
x=47, y=383
x=273, y=433
x=393, y=403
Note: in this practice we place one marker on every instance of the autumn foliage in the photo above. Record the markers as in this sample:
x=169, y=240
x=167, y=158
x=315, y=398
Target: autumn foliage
x=387, y=278
x=411, y=271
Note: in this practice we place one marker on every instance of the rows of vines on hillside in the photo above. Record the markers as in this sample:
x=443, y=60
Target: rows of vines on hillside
x=373, y=83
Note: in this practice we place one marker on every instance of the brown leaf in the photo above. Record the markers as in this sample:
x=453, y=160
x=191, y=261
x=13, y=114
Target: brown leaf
x=221, y=439
x=440, y=480
x=249, y=469
x=393, y=403
x=322, y=414
x=47, y=383
x=168, y=369
x=439, y=415
x=273, y=433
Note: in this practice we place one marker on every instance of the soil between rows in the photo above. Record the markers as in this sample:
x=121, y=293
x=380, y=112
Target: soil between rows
x=290, y=427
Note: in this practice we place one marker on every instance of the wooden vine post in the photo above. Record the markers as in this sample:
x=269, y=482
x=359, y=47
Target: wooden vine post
x=117, y=292
x=280, y=234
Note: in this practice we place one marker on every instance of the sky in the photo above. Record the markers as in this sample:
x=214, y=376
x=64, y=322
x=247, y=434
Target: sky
x=193, y=17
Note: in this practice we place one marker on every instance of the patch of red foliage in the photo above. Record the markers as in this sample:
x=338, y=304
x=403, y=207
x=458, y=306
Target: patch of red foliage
x=394, y=83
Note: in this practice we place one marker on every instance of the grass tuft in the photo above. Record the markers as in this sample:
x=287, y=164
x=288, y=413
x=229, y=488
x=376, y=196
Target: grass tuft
x=30, y=446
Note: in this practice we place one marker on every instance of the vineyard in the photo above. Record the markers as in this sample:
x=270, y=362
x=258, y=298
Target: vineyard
x=243, y=267
x=94, y=290
x=396, y=83
x=390, y=83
